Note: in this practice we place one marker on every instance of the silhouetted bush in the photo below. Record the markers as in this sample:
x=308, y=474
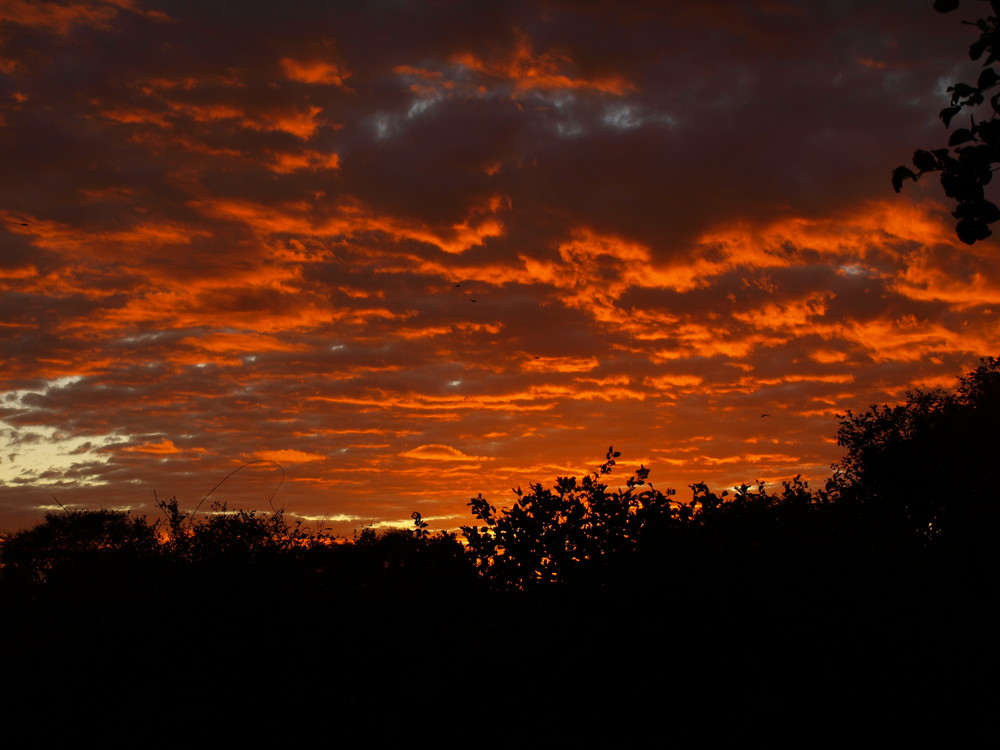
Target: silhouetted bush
x=570, y=532
x=231, y=538
x=77, y=543
x=931, y=464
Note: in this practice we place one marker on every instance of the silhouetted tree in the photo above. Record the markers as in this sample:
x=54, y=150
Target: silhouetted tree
x=930, y=463
x=76, y=543
x=968, y=164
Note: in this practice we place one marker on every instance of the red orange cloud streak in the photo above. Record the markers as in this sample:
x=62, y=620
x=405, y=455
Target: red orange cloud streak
x=419, y=255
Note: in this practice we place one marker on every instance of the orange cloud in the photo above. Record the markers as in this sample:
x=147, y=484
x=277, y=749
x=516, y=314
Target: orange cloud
x=907, y=340
x=872, y=226
x=594, y=271
x=668, y=382
x=827, y=356
x=61, y=18
x=870, y=63
x=162, y=448
x=298, y=122
x=286, y=162
x=441, y=453
x=792, y=315
x=753, y=459
x=351, y=217
x=241, y=342
x=207, y=112
x=17, y=273
x=314, y=71
x=262, y=299
x=547, y=71
x=74, y=240
x=561, y=364
x=136, y=116
x=301, y=122
x=288, y=456
x=753, y=383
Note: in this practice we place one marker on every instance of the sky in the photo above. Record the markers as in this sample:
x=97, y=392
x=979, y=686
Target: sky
x=409, y=252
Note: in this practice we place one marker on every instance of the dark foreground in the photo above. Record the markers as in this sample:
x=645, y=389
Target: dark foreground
x=776, y=649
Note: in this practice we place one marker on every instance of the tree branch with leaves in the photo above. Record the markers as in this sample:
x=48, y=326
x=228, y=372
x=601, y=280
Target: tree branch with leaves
x=967, y=165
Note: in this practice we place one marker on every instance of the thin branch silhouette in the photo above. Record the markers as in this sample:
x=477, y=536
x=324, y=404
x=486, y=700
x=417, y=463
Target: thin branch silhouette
x=270, y=500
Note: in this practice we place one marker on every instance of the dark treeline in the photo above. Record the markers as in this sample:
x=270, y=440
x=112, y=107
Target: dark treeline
x=867, y=608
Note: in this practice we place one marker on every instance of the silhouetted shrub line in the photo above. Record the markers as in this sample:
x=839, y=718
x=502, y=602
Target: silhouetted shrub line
x=918, y=475
x=891, y=571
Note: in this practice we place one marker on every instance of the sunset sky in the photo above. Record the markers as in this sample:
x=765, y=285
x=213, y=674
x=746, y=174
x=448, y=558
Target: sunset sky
x=415, y=251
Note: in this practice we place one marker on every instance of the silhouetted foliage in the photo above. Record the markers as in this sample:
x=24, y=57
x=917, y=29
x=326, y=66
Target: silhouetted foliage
x=231, y=537
x=410, y=562
x=73, y=543
x=571, y=530
x=967, y=165
x=932, y=462
x=584, y=533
